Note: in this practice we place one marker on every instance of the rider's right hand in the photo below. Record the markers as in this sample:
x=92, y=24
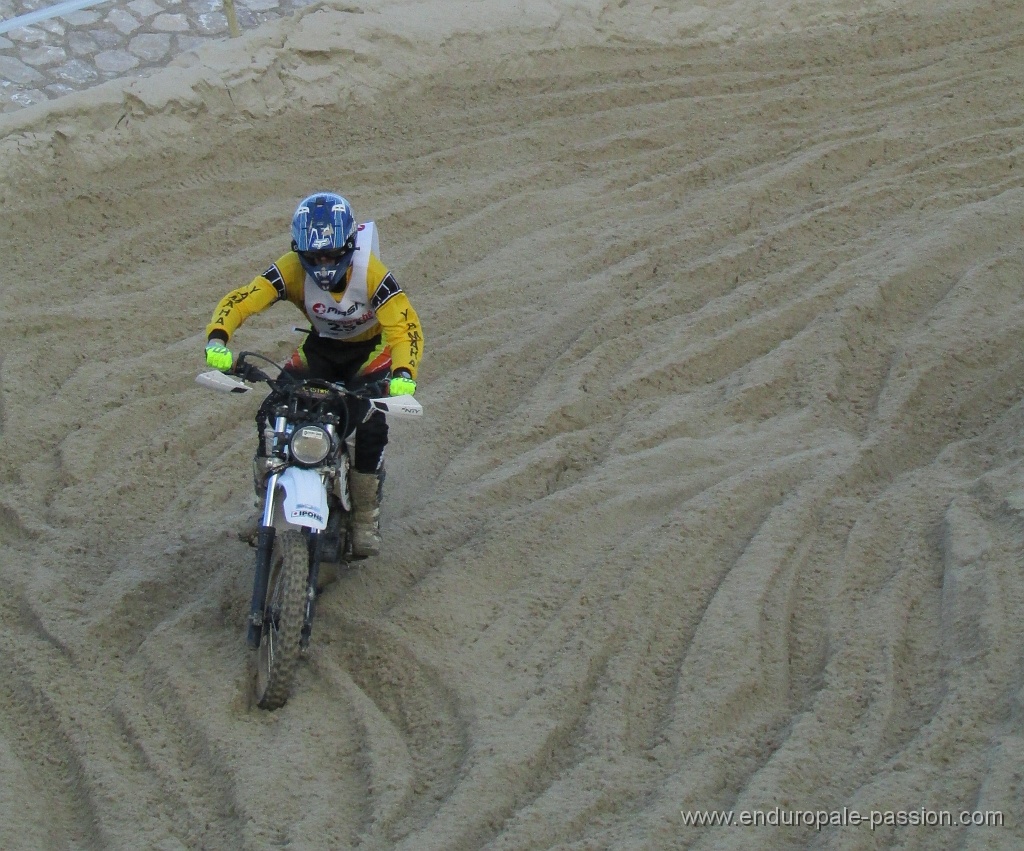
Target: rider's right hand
x=218, y=355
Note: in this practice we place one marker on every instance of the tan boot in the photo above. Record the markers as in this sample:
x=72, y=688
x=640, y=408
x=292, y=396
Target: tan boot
x=364, y=490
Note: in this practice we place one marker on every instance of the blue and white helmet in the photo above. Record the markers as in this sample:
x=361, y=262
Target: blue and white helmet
x=324, y=235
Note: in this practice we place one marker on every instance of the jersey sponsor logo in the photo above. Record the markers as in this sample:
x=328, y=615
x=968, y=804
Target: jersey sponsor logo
x=387, y=290
x=414, y=338
x=231, y=301
x=321, y=309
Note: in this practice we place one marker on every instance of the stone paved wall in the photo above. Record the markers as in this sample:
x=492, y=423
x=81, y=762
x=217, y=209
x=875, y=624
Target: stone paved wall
x=112, y=39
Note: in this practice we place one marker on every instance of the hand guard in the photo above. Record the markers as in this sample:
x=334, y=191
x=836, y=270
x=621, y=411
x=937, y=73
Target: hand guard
x=401, y=385
x=218, y=355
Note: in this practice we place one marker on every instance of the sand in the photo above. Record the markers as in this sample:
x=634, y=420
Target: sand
x=717, y=503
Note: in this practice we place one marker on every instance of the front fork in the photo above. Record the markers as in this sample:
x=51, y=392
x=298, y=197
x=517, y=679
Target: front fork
x=264, y=550
x=315, y=542
x=261, y=578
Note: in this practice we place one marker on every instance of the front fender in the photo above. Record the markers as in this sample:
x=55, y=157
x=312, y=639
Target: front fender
x=305, y=498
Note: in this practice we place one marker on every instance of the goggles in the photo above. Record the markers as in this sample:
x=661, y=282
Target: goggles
x=327, y=258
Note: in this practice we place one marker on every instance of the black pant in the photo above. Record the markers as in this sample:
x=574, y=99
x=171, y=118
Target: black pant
x=337, y=360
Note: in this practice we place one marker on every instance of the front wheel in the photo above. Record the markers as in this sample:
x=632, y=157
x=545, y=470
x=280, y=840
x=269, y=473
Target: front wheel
x=281, y=641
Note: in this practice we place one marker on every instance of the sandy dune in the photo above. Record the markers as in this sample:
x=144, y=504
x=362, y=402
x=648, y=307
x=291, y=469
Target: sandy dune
x=718, y=503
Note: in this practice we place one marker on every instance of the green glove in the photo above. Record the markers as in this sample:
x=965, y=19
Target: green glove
x=401, y=384
x=218, y=355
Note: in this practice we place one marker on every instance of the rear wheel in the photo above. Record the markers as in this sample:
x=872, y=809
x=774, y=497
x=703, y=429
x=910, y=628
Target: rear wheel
x=280, y=644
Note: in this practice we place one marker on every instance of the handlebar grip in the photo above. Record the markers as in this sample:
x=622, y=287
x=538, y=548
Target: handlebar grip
x=248, y=372
x=373, y=390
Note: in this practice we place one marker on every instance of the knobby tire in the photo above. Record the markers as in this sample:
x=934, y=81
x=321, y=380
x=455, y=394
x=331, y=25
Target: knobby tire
x=280, y=645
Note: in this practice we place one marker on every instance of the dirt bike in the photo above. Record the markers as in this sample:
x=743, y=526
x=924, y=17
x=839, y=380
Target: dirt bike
x=302, y=468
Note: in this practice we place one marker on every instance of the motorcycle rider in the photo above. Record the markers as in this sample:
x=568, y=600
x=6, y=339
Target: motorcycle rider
x=363, y=329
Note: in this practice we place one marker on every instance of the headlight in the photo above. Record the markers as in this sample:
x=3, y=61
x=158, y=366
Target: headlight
x=310, y=445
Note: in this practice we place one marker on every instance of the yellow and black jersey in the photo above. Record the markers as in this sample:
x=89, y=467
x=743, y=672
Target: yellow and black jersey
x=372, y=303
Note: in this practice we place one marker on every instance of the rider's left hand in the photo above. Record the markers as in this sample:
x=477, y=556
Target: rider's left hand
x=402, y=383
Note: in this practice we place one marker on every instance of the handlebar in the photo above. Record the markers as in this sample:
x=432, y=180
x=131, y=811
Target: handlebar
x=285, y=381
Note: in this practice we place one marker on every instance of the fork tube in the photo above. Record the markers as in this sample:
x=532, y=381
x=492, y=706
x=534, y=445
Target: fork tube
x=315, y=543
x=268, y=504
x=261, y=575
